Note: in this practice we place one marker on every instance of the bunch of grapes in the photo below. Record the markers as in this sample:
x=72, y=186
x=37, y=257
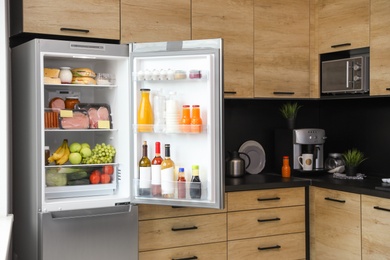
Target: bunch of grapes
x=102, y=153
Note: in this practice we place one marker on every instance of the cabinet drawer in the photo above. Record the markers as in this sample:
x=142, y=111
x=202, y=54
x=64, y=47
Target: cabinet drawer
x=183, y=231
x=256, y=223
x=261, y=199
x=375, y=227
x=216, y=251
x=284, y=247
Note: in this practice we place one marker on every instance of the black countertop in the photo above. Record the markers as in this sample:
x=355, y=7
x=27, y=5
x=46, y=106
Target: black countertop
x=367, y=186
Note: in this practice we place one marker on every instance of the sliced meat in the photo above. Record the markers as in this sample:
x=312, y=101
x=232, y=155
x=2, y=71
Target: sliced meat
x=79, y=120
x=93, y=117
x=103, y=113
x=57, y=103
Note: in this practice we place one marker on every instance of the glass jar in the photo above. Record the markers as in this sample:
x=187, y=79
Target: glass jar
x=66, y=75
x=70, y=102
x=334, y=160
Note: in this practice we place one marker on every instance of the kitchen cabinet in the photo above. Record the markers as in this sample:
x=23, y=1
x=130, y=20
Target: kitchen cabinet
x=281, y=51
x=265, y=224
x=380, y=48
x=89, y=18
x=155, y=20
x=343, y=25
x=335, y=224
x=167, y=232
x=232, y=21
x=375, y=227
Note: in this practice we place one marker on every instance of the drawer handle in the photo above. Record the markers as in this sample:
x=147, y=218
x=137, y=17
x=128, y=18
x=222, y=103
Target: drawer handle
x=283, y=93
x=380, y=208
x=184, y=228
x=267, y=199
x=230, y=92
x=178, y=207
x=387, y=88
x=268, y=219
x=335, y=200
x=74, y=30
x=186, y=258
x=341, y=45
x=269, y=247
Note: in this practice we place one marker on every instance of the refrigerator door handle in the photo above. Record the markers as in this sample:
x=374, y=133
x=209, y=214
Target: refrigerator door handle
x=83, y=213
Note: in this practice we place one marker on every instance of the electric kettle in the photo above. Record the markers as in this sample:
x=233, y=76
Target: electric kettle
x=236, y=165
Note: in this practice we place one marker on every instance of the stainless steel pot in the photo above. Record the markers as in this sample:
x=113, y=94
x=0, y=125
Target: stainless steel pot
x=236, y=165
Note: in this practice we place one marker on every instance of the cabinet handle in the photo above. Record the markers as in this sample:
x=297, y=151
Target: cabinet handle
x=178, y=207
x=283, y=93
x=268, y=219
x=267, y=199
x=335, y=200
x=380, y=208
x=184, y=228
x=387, y=88
x=269, y=247
x=341, y=45
x=230, y=92
x=74, y=30
x=186, y=258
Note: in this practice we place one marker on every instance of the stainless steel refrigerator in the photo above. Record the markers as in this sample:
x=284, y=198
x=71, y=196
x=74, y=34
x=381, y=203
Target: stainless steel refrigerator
x=59, y=218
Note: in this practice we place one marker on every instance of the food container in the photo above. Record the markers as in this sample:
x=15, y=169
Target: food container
x=105, y=79
x=66, y=75
x=74, y=119
x=99, y=115
x=51, y=118
x=195, y=74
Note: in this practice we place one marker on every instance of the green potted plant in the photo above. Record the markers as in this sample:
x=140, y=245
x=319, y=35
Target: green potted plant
x=289, y=111
x=353, y=158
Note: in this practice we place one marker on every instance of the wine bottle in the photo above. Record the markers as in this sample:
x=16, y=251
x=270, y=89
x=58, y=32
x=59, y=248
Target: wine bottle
x=181, y=184
x=144, y=172
x=167, y=175
x=195, y=185
x=156, y=171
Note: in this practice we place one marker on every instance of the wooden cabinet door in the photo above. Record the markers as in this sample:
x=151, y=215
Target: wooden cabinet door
x=375, y=227
x=232, y=21
x=343, y=25
x=380, y=48
x=88, y=18
x=335, y=224
x=155, y=20
x=282, y=48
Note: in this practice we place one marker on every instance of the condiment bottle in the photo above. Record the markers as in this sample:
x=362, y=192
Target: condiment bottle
x=181, y=184
x=286, y=170
x=185, y=124
x=196, y=120
x=144, y=172
x=47, y=155
x=167, y=175
x=156, y=172
x=195, y=185
x=145, y=112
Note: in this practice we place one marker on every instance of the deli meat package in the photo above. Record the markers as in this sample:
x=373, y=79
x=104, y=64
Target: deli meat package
x=74, y=119
x=99, y=115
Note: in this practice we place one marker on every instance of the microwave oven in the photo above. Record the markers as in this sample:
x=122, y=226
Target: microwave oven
x=345, y=76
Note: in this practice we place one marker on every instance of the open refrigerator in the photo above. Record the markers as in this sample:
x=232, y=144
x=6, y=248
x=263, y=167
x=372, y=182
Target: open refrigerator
x=63, y=221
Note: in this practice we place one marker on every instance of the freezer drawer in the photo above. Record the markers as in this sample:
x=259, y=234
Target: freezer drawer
x=106, y=233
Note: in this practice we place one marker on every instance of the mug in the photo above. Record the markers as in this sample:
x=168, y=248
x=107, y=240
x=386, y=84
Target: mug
x=306, y=161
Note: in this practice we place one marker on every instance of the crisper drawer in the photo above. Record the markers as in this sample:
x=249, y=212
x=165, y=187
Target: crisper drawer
x=183, y=231
x=266, y=222
x=261, y=199
x=215, y=251
x=284, y=247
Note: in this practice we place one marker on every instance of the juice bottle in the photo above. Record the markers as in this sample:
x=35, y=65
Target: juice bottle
x=185, y=124
x=196, y=120
x=286, y=170
x=145, y=112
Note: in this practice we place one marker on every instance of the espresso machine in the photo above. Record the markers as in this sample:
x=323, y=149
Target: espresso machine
x=309, y=140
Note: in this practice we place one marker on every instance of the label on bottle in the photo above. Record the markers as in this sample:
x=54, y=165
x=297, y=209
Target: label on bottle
x=156, y=174
x=167, y=183
x=144, y=177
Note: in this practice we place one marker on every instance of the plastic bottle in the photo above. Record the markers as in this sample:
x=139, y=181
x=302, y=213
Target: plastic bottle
x=144, y=172
x=145, y=112
x=196, y=120
x=195, y=185
x=181, y=184
x=286, y=170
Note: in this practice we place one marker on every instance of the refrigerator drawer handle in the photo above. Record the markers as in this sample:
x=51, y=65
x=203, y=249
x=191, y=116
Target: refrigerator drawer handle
x=335, y=200
x=269, y=247
x=380, y=208
x=74, y=30
x=184, y=228
x=267, y=199
x=186, y=258
x=268, y=219
x=84, y=213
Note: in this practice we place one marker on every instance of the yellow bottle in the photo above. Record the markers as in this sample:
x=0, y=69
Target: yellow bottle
x=145, y=112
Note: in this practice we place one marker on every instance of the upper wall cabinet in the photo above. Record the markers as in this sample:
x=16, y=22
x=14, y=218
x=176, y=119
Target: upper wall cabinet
x=343, y=25
x=233, y=21
x=88, y=18
x=380, y=48
x=282, y=49
x=155, y=20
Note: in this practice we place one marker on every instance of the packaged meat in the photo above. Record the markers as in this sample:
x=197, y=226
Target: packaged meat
x=99, y=114
x=74, y=119
x=51, y=118
x=57, y=103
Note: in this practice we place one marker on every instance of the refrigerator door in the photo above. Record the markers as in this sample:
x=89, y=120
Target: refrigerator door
x=183, y=73
x=106, y=233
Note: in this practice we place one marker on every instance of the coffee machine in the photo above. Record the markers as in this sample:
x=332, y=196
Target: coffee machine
x=309, y=140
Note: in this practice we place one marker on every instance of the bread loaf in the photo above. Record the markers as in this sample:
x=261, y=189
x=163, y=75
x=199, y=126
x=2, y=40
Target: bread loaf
x=50, y=80
x=51, y=73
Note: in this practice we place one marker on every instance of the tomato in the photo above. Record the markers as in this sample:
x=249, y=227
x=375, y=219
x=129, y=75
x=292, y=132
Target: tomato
x=109, y=169
x=105, y=178
x=94, y=178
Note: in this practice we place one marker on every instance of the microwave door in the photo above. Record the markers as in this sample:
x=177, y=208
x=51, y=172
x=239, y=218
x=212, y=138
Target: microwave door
x=335, y=76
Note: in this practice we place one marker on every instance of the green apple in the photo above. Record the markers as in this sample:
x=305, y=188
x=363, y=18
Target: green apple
x=85, y=152
x=75, y=158
x=85, y=145
x=75, y=147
